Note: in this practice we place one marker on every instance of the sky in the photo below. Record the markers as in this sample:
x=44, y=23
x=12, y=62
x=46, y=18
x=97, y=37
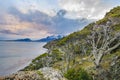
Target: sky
x=36, y=19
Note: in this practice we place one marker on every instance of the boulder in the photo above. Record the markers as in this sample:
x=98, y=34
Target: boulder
x=51, y=74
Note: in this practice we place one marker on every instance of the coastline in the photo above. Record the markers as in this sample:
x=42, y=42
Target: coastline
x=21, y=64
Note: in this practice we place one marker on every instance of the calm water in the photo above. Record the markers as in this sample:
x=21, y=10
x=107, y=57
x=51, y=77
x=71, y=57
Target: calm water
x=16, y=55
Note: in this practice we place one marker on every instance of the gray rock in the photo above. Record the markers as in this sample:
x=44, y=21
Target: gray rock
x=46, y=73
x=24, y=75
x=51, y=74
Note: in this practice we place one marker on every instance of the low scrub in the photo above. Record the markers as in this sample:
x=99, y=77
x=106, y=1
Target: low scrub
x=77, y=74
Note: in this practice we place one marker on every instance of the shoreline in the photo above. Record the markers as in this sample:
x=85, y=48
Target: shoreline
x=21, y=64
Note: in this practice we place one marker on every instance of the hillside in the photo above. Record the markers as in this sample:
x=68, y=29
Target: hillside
x=78, y=59
x=113, y=16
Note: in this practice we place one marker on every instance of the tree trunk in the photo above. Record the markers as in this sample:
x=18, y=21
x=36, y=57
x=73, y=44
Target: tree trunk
x=98, y=59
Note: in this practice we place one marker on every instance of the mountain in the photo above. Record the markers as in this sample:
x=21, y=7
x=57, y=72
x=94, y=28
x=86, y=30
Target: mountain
x=23, y=40
x=46, y=39
x=19, y=40
x=49, y=38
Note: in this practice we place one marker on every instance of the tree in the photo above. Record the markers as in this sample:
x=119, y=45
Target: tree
x=103, y=40
x=68, y=56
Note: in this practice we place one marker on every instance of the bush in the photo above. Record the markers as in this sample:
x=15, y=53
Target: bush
x=36, y=63
x=56, y=55
x=78, y=74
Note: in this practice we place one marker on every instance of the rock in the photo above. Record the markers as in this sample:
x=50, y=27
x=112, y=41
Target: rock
x=46, y=73
x=51, y=74
x=84, y=59
x=24, y=75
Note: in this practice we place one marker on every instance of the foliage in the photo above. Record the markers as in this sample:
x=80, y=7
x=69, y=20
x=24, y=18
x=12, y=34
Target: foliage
x=116, y=27
x=39, y=57
x=44, y=60
x=79, y=35
x=115, y=12
x=56, y=55
x=79, y=74
x=36, y=63
x=102, y=21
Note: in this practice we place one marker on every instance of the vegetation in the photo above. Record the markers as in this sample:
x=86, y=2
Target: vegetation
x=115, y=12
x=76, y=36
x=97, y=45
x=101, y=40
x=44, y=60
x=36, y=63
x=79, y=74
x=115, y=69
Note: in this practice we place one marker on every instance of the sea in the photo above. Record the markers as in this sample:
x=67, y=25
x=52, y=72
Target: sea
x=14, y=56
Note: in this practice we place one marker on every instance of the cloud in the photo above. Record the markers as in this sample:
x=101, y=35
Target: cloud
x=40, y=18
x=39, y=5
x=91, y=9
x=14, y=26
x=36, y=24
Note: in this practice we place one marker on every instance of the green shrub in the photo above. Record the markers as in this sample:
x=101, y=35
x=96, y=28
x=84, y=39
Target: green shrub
x=56, y=55
x=36, y=63
x=77, y=74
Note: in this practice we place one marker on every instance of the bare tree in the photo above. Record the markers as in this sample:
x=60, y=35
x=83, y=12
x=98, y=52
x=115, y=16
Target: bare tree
x=103, y=40
x=69, y=55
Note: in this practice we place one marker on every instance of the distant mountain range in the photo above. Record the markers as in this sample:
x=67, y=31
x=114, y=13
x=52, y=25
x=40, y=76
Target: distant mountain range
x=46, y=39
x=49, y=38
x=23, y=40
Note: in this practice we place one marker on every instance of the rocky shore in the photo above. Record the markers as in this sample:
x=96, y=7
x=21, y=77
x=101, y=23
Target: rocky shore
x=46, y=73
